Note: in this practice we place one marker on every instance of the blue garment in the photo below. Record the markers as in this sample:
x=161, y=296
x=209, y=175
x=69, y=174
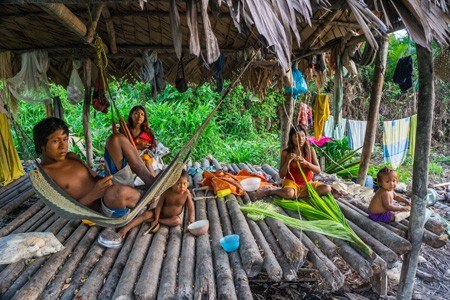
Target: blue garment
x=113, y=212
x=300, y=86
x=111, y=166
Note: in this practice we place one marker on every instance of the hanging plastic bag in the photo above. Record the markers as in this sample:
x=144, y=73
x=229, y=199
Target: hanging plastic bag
x=300, y=86
x=75, y=89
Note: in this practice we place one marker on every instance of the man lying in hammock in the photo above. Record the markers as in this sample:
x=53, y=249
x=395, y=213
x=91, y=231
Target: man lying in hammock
x=83, y=184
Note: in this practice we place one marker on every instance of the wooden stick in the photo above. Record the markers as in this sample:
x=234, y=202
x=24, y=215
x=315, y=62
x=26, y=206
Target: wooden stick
x=114, y=275
x=7, y=195
x=20, y=281
x=186, y=270
x=110, y=29
x=235, y=168
x=204, y=274
x=354, y=259
x=216, y=164
x=147, y=285
x=252, y=169
x=269, y=170
x=224, y=276
x=240, y=277
x=94, y=282
x=13, y=184
x=35, y=286
x=430, y=238
x=271, y=264
x=289, y=270
x=96, y=11
x=24, y=220
x=440, y=184
x=53, y=290
x=398, y=244
x=325, y=245
x=243, y=166
x=168, y=281
x=325, y=266
x=291, y=245
x=134, y=264
x=248, y=250
x=66, y=17
x=86, y=111
x=384, y=252
x=16, y=202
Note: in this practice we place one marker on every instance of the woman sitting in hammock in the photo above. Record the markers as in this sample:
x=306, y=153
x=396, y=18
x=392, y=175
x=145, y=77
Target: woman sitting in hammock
x=299, y=151
x=143, y=135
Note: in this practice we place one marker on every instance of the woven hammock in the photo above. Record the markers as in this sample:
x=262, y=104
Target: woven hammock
x=442, y=65
x=67, y=207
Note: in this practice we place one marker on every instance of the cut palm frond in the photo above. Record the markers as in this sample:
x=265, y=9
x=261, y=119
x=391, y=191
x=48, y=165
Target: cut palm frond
x=258, y=210
x=323, y=208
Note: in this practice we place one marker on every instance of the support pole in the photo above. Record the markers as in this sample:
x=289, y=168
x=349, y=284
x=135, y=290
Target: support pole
x=86, y=109
x=338, y=90
x=425, y=108
x=66, y=17
x=96, y=12
x=374, y=107
x=287, y=115
x=110, y=28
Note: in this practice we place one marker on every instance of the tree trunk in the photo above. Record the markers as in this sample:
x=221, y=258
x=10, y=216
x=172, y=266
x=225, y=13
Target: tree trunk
x=420, y=170
x=374, y=107
x=338, y=90
x=287, y=115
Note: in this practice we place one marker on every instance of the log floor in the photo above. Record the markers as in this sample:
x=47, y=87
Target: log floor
x=172, y=263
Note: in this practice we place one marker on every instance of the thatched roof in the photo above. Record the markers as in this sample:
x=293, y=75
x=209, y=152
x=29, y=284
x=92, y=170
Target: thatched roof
x=278, y=28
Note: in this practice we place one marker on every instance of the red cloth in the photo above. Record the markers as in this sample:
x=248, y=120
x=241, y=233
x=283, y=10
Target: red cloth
x=304, y=114
x=144, y=138
x=295, y=175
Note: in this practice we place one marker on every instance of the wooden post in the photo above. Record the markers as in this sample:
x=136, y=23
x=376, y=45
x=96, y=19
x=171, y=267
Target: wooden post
x=86, y=108
x=287, y=114
x=425, y=107
x=66, y=17
x=338, y=90
x=93, y=23
x=110, y=28
x=374, y=107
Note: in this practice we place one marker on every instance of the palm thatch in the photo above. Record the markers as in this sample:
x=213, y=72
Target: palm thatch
x=201, y=30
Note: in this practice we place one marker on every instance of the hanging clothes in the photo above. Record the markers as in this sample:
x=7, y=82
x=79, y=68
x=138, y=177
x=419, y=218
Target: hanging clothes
x=339, y=130
x=57, y=109
x=328, y=127
x=356, y=131
x=412, y=135
x=304, y=114
x=403, y=73
x=321, y=114
x=10, y=166
x=395, y=141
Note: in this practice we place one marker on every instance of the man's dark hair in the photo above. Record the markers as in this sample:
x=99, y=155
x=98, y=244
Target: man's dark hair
x=44, y=128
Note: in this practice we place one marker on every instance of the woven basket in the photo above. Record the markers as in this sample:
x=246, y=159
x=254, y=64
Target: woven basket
x=442, y=65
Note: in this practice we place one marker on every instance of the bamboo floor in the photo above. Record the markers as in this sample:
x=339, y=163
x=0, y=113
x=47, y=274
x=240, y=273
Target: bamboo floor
x=172, y=264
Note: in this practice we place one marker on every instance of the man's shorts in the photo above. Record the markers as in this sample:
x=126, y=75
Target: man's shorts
x=113, y=212
x=287, y=183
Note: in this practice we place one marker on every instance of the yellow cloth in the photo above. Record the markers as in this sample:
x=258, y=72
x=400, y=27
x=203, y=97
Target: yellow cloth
x=287, y=183
x=10, y=166
x=412, y=135
x=321, y=114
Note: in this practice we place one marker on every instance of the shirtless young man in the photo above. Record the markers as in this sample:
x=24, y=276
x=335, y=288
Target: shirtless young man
x=169, y=208
x=381, y=208
x=69, y=172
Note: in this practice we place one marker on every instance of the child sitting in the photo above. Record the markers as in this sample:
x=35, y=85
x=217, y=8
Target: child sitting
x=169, y=208
x=381, y=208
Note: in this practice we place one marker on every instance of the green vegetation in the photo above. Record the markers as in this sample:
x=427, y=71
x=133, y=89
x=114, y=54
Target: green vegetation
x=238, y=132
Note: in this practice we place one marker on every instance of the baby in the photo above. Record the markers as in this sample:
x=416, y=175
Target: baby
x=169, y=208
x=381, y=208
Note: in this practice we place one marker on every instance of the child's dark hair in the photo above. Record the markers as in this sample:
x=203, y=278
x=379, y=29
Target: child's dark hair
x=44, y=128
x=144, y=126
x=384, y=171
x=184, y=174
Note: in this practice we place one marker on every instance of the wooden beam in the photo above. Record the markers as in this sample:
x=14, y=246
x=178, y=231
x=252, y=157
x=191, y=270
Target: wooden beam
x=319, y=30
x=337, y=23
x=374, y=107
x=338, y=90
x=328, y=46
x=425, y=109
x=110, y=28
x=86, y=114
x=93, y=23
x=66, y=17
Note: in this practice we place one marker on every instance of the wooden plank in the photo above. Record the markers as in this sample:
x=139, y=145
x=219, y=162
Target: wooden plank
x=36, y=212
x=224, y=276
x=16, y=202
x=187, y=266
x=147, y=285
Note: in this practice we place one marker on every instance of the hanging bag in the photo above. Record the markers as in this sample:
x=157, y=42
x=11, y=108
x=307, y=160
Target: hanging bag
x=75, y=89
x=180, y=82
x=442, y=65
x=99, y=100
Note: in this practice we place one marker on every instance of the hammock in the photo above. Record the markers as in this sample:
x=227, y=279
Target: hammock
x=67, y=207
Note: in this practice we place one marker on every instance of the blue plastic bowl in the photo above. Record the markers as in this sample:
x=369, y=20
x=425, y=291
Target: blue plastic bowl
x=230, y=242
